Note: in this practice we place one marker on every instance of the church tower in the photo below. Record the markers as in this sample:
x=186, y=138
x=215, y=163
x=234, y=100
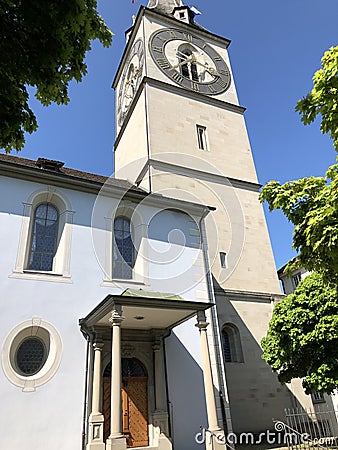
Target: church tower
x=181, y=133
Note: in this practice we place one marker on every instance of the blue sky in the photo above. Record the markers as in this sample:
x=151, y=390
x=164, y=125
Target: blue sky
x=276, y=47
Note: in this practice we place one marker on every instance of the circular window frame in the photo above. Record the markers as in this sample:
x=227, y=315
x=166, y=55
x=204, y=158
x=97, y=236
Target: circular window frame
x=48, y=334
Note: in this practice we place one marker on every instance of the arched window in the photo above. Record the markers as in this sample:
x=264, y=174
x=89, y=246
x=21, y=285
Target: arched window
x=123, y=252
x=188, y=70
x=44, y=237
x=132, y=367
x=231, y=341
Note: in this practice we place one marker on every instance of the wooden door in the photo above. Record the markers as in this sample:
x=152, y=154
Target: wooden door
x=135, y=411
x=134, y=403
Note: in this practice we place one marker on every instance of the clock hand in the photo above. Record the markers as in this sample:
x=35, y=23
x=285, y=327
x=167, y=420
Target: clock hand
x=185, y=61
x=211, y=70
x=181, y=55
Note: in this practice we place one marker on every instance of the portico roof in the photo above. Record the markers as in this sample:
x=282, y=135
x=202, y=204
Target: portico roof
x=144, y=310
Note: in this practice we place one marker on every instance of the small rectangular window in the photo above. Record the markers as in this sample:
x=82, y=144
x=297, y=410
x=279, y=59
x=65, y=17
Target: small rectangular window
x=297, y=279
x=202, y=137
x=223, y=257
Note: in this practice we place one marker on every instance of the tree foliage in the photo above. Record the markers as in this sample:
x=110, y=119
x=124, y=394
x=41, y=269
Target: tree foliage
x=311, y=204
x=42, y=44
x=302, y=340
x=323, y=99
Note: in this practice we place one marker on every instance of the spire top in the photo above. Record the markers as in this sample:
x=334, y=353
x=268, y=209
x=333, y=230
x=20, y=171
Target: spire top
x=165, y=6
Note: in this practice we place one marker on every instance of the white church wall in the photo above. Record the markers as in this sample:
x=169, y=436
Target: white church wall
x=28, y=416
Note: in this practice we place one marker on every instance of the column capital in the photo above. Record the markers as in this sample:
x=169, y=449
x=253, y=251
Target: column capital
x=116, y=316
x=202, y=326
x=157, y=345
x=98, y=345
x=201, y=321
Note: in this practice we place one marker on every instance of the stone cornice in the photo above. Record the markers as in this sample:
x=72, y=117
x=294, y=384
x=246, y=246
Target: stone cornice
x=249, y=296
x=207, y=176
x=175, y=90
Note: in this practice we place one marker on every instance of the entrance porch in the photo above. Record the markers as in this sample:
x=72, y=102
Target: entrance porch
x=128, y=401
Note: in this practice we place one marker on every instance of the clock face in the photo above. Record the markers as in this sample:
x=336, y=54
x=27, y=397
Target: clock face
x=130, y=79
x=189, y=61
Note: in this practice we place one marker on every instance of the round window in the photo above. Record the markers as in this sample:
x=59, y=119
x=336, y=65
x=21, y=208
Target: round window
x=31, y=353
x=31, y=356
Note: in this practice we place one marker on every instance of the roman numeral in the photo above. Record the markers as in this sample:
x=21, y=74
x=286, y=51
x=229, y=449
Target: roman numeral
x=163, y=63
x=217, y=58
x=195, y=86
x=172, y=34
x=161, y=39
x=223, y=72
x=221, y=83
x=211, y=88
x=187, y=37
x=155, y=48
x=177, y=77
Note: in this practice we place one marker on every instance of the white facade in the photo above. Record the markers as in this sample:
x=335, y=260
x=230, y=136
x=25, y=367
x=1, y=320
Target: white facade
x=33, y=299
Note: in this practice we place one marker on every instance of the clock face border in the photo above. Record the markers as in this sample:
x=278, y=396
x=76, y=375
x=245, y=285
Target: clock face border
x=157, y=43
x=139, y=51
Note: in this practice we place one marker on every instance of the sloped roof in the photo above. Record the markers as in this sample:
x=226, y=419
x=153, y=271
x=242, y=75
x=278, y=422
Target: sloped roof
x=64, y=172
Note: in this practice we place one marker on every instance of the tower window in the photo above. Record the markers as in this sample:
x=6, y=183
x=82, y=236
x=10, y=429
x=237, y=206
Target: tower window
x=202, y=137
x=231, y=341
x=223, y=258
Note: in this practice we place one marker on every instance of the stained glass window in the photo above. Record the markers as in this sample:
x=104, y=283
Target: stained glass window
x=44, y=237
x=30, y=356
x=232, y=348
x=123, y=249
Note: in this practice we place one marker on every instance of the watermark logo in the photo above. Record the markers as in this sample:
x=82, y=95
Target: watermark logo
x=282, y=435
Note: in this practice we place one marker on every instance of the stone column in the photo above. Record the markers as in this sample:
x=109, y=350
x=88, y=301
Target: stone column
x=207, y=373
x=215, y=438
x=96, y=419
x=116, y=439
x=159, y=375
